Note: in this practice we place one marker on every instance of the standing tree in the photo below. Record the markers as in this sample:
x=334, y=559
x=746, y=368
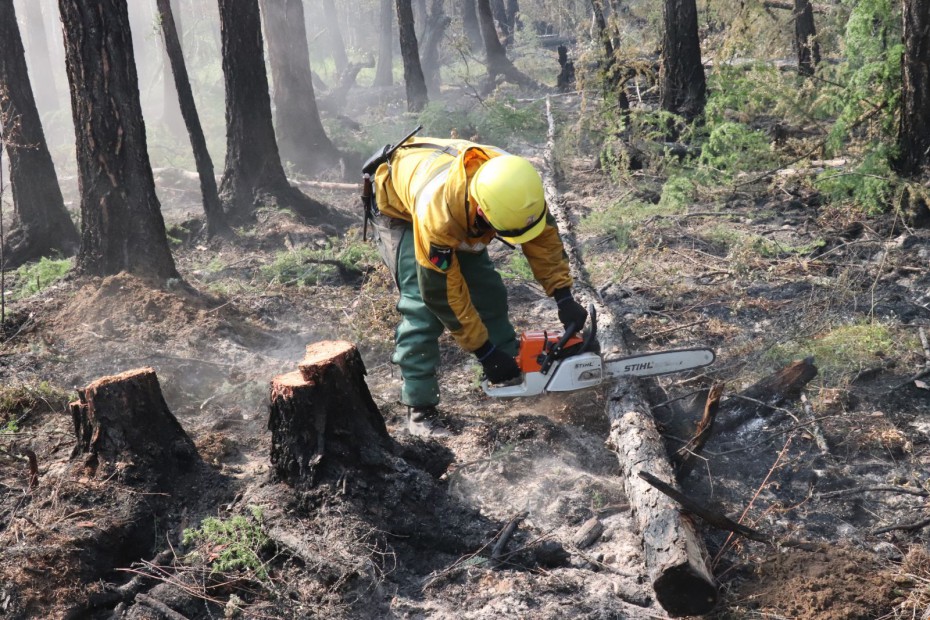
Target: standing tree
x=384, y=73
x=413, y=72
x=470, y=24
x=914, y=130
x=121, y=224
x=213, y=208
x=42, y=224
x=614, y=84
x=45, y=92
x=805, y=37
x=683, y=88
x=336, y=43
x=253, y=173
x=301, y=137
x=171, y=115
x=436, y=25
x=498, y=63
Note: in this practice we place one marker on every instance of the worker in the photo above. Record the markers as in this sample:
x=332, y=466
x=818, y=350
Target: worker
x=438, y=204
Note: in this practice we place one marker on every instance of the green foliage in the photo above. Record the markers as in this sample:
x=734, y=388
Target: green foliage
x=517, y=268
x=497, y=121
x=34, y=277
x=846, y=349
x=230, y=545
x=733, y=147
x=306, y=266
x=677, y=194
x=871, y=185
x=621, y=219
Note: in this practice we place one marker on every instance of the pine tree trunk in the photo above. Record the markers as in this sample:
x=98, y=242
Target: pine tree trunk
x=435, y=30
x=499, y=12
x=914, y=130
x=45, y=92
x=171, y=115
x=213, y=208
x=42, y=225
x=121, y=223
x=384, y=73
x=613, y=82
x=683, y=88
x=253, y=174
x=805, y=37
x=470, y=24
x=498, y=63
x=413, y=72
x=302, y=140
x=336, y=43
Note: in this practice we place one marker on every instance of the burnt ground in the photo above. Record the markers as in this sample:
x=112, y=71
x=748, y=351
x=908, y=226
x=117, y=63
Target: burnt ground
x=766, y=275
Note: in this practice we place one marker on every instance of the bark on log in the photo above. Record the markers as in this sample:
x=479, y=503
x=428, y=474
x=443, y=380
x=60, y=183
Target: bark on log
x=674, y=552
x=325, y=410
x=768, y=393
x=124, y=419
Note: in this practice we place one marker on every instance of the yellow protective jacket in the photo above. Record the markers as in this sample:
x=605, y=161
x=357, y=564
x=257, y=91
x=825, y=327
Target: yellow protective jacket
x=425, y=183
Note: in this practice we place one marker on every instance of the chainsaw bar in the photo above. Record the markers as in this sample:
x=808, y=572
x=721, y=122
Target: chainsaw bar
x=658, y=363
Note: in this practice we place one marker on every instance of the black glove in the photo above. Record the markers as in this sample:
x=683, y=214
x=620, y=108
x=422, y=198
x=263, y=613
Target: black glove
x=571, y=313
x=498, y=366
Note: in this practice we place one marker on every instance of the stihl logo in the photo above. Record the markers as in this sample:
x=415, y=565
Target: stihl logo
x=637, y=367
x=585, y=365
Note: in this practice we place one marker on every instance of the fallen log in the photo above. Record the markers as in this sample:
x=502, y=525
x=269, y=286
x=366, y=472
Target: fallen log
x=342, y=187
x=324, y=410
x=767, y=394
x=675, y=554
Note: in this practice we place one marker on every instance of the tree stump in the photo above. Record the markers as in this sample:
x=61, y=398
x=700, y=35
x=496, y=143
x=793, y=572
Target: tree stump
x=325, y=409
x=124, y=419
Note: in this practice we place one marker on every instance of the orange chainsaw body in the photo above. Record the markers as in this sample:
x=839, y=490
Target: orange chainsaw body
x=535, y=344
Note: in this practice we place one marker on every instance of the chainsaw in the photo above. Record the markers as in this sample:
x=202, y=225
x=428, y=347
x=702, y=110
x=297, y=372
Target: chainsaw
x=565, y=362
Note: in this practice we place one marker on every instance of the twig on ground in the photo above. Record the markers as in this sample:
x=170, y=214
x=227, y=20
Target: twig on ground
x=903, y=527
x=875, y=489
x=501, y=545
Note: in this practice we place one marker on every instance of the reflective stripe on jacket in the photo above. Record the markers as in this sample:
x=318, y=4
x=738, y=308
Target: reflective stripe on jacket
x=425, y=183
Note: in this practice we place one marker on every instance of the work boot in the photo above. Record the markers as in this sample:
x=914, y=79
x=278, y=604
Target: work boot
x=426, y=422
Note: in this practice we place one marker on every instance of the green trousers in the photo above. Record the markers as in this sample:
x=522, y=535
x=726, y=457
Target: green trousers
x=417, y=337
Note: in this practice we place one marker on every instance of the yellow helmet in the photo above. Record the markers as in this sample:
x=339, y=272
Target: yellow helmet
x=510, y=193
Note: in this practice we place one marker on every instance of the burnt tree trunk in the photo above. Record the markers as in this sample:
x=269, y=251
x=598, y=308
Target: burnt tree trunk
x=513, y=22
x=499, y=12
x=45, y=92
x=212, y=207
x=914, y=130
x=413, y=72
x=302, y=140
x=683, y=88
x=436, y=26
x=614, y=84
x=763, y=397
x=323, y=414
x=805, y=37
x=565, y=81
x=42, y=225
x=384, y=73
x=124, y=419
x=496, y=55
x=253, y=173
x=171, y=115
x=121, y=223
x=470, y=24
x=336, y=42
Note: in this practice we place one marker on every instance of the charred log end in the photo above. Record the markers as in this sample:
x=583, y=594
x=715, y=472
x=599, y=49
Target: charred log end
x=324, y=415
x=684, y=591
x=124, y=418
x=786, y=384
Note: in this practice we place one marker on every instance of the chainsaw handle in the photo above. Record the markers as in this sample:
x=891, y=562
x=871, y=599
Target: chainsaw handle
x=556, y=351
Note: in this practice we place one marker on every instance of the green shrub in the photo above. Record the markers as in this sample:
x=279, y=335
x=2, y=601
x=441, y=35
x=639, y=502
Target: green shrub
x=19, y=401
x=734, y=147
x=496, y=121
x=517, y=268
x=306, y=266
x=230, y=545
x=34, y=277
